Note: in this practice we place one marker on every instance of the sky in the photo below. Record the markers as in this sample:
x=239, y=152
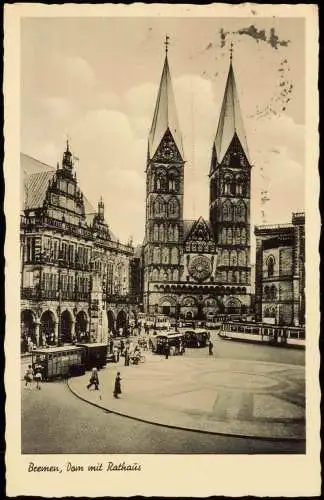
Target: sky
x=95, y=81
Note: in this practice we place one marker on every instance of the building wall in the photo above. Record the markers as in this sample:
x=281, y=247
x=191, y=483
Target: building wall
x=280, y=273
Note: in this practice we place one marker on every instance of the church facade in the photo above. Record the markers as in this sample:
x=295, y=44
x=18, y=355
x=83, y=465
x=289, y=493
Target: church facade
x=197, y=268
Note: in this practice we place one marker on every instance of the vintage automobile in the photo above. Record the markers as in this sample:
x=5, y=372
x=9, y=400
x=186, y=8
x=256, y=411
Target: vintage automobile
x=196, y=338
x=62, y=361
x=175, y=340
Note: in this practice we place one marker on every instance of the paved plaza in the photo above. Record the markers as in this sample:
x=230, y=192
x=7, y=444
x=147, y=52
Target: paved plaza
x=236, y=397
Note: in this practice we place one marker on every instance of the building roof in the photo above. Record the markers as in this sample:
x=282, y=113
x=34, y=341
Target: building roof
x=165, y=115
x=230, y=120
x=35, y=176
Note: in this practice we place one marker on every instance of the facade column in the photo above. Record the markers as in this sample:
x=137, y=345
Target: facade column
x=73, y=332
x=56, y=331
x=37, y=332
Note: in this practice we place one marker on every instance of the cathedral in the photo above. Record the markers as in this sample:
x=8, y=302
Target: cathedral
x=196, y=269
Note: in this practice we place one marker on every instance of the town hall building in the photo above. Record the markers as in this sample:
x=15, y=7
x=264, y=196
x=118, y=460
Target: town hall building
x=197, y=268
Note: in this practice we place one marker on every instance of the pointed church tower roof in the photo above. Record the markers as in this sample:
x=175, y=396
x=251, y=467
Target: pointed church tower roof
x=165, y=114
x=230, y=120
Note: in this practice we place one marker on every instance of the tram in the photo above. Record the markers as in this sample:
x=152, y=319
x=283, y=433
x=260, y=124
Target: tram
x=196, y=338
x=95, y=355
x=174, y=339
x=62, y=361
x=69, y=360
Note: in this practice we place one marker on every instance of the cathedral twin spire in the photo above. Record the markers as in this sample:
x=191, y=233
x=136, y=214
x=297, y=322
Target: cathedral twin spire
x=165, y=113
x=166, y=118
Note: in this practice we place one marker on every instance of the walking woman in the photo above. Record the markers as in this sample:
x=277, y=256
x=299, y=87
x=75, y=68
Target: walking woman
x=94, y=379
x=117, y=388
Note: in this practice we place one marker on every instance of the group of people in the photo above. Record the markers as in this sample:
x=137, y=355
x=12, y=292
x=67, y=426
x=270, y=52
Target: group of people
x=34, y=374
x=130, y=351
x=94, y=381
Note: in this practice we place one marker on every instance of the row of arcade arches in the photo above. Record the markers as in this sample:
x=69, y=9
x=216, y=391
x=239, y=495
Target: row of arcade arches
x=45, y=330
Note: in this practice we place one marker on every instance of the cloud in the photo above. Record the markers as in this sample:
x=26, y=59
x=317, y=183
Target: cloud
x=58, y=107
x=140, y=100
x=79, y=70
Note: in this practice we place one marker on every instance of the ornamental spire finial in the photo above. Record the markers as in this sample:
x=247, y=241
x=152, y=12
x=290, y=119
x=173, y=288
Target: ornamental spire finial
x=166, y=43
x=231, y=52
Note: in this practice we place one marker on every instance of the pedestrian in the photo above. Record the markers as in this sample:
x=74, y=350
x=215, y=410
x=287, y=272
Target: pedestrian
x=117, y=388
x=116, y=354
x=167, y=350
x=38, y=375
x=94, y=380
x=210, y=347
x=29, y=376
x=126, y=357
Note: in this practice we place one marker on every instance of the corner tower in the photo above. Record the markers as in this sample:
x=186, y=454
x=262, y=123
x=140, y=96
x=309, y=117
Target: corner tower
x=164, y=196
x=230, y=186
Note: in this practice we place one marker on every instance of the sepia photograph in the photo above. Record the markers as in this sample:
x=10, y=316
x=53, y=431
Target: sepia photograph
x=162, y=237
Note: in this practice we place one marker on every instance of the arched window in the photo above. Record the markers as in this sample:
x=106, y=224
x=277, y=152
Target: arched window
x=243, y=236
x=160, y=180
x=225, y=258
x=227, y=184
x=165, y=256
x=161, y=232
x=227, y=211
x=233, y=258
x=173, y=207
x=155, y=232
x=156, y=255
x=224, y=236
x=173, y=182
x=229, y=236
x=270, y=265
x=266, y=292
x=171, y=233
x=242, y=258
x=176, y=233
x=163, y=275
x=175, y=275
x=243, y=277
x=174, y=256
x=240, y=211
x=155, y=275
x=236, y=277
x=273, y=292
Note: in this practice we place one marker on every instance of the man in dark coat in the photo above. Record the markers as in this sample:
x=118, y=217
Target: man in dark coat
x=167, y=349
x=210, y=347
x=117, y=388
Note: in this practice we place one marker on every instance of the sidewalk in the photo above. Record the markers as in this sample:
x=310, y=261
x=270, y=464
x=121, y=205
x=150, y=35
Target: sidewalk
x=223, y=396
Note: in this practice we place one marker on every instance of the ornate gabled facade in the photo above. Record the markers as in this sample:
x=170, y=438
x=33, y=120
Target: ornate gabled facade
x=75, y=275
x=196, y=269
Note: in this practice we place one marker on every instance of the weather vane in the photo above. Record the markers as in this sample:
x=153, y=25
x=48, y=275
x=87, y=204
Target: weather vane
x=166, y=43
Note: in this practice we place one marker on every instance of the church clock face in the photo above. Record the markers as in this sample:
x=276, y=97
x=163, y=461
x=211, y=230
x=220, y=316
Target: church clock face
x=200, y=268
